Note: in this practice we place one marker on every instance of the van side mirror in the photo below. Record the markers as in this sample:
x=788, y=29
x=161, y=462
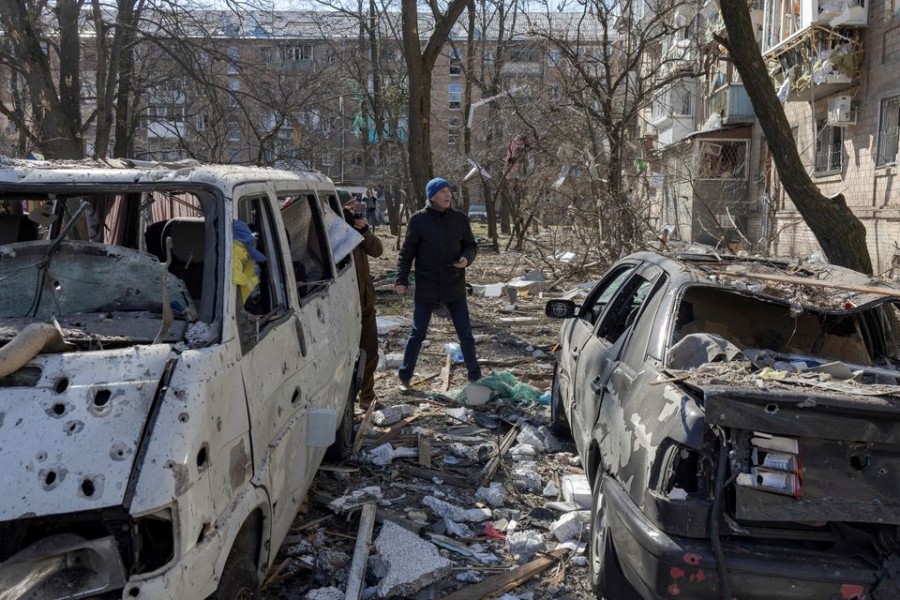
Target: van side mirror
x=560, y=309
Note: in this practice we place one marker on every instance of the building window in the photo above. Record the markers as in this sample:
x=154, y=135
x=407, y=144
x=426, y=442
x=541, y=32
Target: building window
x=721, y=159
x=529, y=54
x=166, y=113
x=455, y=96
x=453, y=131
x=202, y=122
x=233, y=55
x=455, y=61
x=234, y=131
x=888, y=131
x=265, y=55
x=301, y=52
x=554, y=57
x=356, y=160
x=829, y=148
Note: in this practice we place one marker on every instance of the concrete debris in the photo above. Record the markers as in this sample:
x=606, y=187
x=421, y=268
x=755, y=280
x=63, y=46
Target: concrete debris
x=494, y=494
x=525, y=543
x=450, y=511
x=459, y=415
x=526, y=477
x=389, y=323
x=411, y=563
x=523, y=452
x=355, y=499
x=391, y=414
x=561, y=506
x=469, y=576
x=550, y=490
x=384, y=454
x=575, y=488
x=571, y=526
x=456, y=529
x=329, y=593
x=532, y=437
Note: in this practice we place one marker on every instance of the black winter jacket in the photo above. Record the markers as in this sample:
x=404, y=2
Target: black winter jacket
x=435, y=240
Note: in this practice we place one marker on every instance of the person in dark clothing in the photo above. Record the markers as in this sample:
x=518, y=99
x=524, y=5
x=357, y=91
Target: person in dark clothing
x=368, y=338
x=371, y=204
x=440, y=242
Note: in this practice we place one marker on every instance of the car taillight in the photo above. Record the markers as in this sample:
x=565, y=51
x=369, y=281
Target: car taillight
x=774, y=466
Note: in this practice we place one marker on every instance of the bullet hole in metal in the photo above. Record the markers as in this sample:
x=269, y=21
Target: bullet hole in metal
x=73, y=427
x=859, y=462
x=59, y=409
x=41, y=456
x=62, y=384
x=771, y=408
x=119, y=451
x=219, y=424
x=183, y=417
x=87, y=488
x=133, y=592
x=50, y=478
x=203, y=457
x=882, y=471
x=101, y=398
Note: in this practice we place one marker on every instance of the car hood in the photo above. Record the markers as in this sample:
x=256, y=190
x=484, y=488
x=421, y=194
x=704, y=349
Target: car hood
x=69, y=437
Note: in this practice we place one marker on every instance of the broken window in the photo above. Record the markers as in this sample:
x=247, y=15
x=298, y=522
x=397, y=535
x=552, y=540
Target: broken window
x=829, y=148
x=888, y=128
x=723, y=159
x=307, y=240
x=595, y=304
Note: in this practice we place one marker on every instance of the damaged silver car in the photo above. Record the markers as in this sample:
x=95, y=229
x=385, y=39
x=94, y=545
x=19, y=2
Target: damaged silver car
x=740, y=421
x=177, y=355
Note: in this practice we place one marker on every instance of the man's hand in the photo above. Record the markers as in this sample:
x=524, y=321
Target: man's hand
x=400, y=289
x=462, y=263
x=360, y=224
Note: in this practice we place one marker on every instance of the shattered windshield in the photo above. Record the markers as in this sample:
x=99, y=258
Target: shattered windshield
x=83, y=277
x=108, y=265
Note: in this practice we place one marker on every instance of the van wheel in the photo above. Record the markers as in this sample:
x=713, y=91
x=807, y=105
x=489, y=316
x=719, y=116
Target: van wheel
x=558, y=423
x=343, y=437
x=239, y=580
x=607, y=579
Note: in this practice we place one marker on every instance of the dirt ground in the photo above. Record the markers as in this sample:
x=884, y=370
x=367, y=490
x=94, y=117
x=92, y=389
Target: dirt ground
x=514, y=339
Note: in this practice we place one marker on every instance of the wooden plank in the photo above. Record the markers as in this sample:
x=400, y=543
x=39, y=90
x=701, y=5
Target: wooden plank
x=381, y=515
x=500, y=584
x=491, y=467
x=425, y=450
x=445, y=374
x=363, y=427
x=429, y=474
x=356, y=579
x=394, y=431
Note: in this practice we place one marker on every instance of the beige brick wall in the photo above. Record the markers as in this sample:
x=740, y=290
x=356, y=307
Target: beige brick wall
x=872, y=192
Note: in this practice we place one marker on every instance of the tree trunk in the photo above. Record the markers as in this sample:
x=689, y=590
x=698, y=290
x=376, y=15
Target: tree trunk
x=419, y=64
x=839, y=232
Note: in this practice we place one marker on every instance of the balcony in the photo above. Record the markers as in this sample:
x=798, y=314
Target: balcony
x=733, y=104
x=831, y=64
x=672, y=129
x=785, y=20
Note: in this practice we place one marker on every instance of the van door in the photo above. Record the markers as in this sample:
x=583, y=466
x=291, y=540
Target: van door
x=274, y=367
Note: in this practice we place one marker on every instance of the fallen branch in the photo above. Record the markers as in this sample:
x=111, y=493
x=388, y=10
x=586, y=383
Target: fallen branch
x=363, y=427
x=847, y=287
x=491, y=467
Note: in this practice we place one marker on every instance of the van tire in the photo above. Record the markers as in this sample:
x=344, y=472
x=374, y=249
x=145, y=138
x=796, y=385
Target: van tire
x=343, y=437
x=239, y=580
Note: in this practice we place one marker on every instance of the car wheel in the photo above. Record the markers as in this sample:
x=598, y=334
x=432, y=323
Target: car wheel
x=343, y=438
x=607, y=579
x=558, y=423
x=239, y=580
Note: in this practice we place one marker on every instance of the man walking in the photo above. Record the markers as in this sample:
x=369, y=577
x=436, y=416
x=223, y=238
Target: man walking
x=368, y=338
x=440, y=242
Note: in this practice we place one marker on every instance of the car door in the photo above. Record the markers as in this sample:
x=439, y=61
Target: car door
x=576, y=333
x=600, y=352
x=279, y=377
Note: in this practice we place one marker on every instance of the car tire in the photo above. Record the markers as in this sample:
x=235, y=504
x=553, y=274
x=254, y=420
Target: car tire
x=607, y=579
x=343, y=437
x=239, y=580
x=558, y=423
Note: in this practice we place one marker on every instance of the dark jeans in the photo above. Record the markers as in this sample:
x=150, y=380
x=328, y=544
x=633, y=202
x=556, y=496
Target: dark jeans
x=459, y=313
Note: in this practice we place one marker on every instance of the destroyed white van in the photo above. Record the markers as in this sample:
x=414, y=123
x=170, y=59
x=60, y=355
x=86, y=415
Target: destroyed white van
x=177, y=354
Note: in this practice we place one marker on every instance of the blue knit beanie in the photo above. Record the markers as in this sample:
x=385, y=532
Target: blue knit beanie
x=435, y=185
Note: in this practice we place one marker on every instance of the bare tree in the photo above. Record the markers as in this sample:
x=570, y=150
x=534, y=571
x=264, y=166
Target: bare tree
x=839, y=232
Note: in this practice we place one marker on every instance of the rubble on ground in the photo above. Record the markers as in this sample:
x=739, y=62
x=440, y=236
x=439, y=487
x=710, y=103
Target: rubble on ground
x=469, y=484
